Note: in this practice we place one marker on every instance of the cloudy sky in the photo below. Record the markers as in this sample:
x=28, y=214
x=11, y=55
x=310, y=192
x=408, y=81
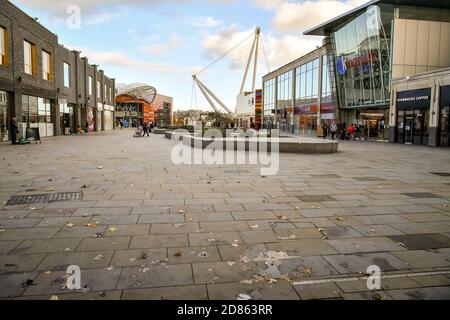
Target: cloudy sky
x=163, y=42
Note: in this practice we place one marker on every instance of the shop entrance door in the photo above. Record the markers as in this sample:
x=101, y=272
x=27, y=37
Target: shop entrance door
x=409, y=126
x=444, y=127
x=3, y=123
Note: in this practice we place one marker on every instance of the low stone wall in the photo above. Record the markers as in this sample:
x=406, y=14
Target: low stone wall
x=286, y=145
x=159, y=131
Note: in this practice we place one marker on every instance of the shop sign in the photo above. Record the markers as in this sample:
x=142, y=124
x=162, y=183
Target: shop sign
x=362, y=62
x=414, y=99
x=126, y=109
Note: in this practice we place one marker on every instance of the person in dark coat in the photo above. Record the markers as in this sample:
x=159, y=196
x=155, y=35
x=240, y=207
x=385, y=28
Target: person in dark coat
x=325, y=128
x=145, y=128
x=14, y=129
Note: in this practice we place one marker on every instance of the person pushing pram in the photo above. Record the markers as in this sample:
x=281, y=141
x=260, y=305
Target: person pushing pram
x=139, y=132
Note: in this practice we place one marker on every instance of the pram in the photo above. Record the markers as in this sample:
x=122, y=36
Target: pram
x=138, y=133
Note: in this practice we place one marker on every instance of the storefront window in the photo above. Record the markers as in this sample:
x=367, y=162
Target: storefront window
x=307, y=82
x=36, y=112
x=326, y=84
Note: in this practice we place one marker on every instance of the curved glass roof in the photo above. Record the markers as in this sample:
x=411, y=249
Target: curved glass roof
x=139, y=91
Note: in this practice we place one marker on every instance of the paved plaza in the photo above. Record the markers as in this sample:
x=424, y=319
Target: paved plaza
x=145, y=228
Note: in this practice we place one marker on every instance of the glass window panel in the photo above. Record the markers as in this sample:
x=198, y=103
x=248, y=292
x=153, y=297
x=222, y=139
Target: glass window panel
x=33, y=109
x=27, y=56
x=25, y=109
x=2, y=46
x=66, y=75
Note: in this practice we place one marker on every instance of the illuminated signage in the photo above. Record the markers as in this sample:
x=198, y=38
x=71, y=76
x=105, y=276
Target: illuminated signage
x=362, y=62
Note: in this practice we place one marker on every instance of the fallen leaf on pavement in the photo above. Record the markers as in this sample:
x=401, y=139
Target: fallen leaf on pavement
x=69, y=225
x=179, y=253
x=91, y=225
x=54, y=297
x=112, y=229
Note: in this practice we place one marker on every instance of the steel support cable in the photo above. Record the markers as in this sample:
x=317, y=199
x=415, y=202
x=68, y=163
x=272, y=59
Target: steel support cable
x=224, y=55
x=265, y=54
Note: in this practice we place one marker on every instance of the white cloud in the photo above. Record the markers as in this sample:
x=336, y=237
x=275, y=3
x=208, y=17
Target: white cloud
x=121, y=60
x=280, y=50
x=203, y=22
x=296, y=17
x=162, y=48
x=267, y=4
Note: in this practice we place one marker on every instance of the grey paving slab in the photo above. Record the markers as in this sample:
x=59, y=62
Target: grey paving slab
x=358, y=264
x=434, y=293
x=19, y=223
x=28, y=233
x=340, y=232
x=193, y=292
x=318, y=291
x=155, y=276
x=422, y=241
x=193, y=255
x=20, y=263
x=12, y=285
x=7, y=246
x=85, y=260
x=138, y=257
x=360, y=245
x=159, y=241
x=281, y=290
x=214, y=238
x=220, y=272
x=47, y=246
x=423, y=258
x=106, y=243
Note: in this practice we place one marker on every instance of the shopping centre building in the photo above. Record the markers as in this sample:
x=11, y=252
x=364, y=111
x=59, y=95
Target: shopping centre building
x=382, y=53
x=138, y=103
x=299, y=95
x=46, y=86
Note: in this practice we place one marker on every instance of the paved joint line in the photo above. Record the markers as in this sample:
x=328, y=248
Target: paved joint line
x=391, y=276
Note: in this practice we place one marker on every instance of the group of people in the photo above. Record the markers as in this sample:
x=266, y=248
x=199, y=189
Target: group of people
x=144, y=129
x=350, y=132
x=329, y=128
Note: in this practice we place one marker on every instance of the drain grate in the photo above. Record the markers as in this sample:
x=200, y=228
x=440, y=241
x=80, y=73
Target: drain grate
x=44, y=198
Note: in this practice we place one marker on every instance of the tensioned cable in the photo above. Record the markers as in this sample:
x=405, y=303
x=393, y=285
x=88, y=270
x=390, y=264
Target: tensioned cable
x=265, y=54
x=225, y=54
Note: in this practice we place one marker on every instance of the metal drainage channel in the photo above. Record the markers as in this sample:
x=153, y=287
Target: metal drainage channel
x=44, y=198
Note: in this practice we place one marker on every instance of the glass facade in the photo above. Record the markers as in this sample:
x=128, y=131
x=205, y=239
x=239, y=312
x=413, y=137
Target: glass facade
x=285, y=101
x=326, y=81
x=269, y=104
x=362, y=54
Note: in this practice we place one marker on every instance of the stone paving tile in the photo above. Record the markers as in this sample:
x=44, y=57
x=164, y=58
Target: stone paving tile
x=62, y=221
x=79, y=232
x=193, y=292
x=281, y=290
x=7, y=246
x=102, y=211
x=318, y=291
x=47, y=246
x=138, y=257
x=325, y=212
x=254, y=215
x=99, y=295
x=381, y=219
x=20, y=263
x=159, y=241
x=433, y=280
x=422, y=241
x=85, y=260
x=434, y=293
x=358, y=264
x=55, y=282
x=370, y=295
x=114, y=220
x=193, y=255
x=340, y=232
x=214, y=238
x=211, y=216
x=422, y=227
x=11, y=285
x=150, y=210
x=224, y=226
x=28, y=233
x=219, y=272
x=232, y=254
x=175, y=228
x=425, y=217
x=127, y=230
x=155, y=276
x=423, y=258
x=377, y=230
x=19, y=223
x=360, y=245
x=304, y=247
x=107, y=243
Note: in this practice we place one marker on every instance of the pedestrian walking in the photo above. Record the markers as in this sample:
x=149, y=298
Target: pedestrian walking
x=325, y=129
x=351, y=132
x=152, y=126
x=14, y=129
x=333, y=129
x=121, y=124
x=145, y=128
